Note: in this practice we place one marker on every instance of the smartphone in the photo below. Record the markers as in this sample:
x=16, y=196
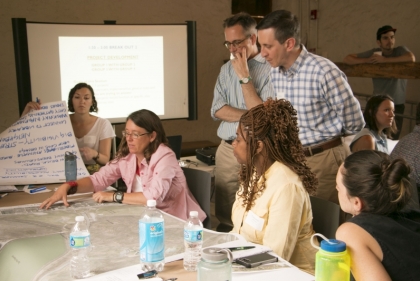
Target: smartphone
x=148, y=274
x=256, y=260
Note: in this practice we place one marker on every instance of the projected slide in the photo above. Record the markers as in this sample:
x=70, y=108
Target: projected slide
x=129, y=67
x=123, y=71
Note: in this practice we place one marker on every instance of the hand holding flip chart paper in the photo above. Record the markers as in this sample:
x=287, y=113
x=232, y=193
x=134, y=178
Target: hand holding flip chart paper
x=32, y=149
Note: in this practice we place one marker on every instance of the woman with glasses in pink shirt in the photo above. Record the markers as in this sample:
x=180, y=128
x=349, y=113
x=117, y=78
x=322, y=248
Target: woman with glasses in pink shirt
x=148, y=167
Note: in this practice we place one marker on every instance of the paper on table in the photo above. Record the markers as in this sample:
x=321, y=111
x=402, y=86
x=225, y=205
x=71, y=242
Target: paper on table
x=292, y=273
x=243, y=253
x=282, y=270
x=8, y=188
x=123, y=274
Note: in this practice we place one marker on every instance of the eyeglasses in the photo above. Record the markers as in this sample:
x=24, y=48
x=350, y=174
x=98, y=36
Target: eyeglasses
x=235, y=43
x=133, y=135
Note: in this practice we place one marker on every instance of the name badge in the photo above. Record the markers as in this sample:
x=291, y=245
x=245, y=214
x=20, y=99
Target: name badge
x=281, y=95
x=255, y=221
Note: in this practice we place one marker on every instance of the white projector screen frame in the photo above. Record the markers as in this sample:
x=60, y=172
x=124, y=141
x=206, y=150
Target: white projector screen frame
x=130, y=67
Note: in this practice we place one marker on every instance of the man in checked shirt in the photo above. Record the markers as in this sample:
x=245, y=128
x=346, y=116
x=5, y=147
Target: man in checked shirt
x=326, y=107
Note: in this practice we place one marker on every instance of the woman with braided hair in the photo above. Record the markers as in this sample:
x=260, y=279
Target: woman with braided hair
x=272, y=205
x=383, y=236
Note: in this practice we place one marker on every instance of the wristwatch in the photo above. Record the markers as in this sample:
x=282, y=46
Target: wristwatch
x=118, y=196
x=245, y=80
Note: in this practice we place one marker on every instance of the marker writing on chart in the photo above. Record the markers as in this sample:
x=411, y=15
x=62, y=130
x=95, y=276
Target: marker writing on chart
x=37, y=189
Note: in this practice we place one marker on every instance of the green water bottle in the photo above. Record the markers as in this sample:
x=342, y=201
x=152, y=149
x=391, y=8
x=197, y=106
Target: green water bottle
x=332, y=261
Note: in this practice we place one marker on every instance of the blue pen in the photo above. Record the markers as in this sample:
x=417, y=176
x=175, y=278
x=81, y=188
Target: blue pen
x=37, y=99
x=37, y=189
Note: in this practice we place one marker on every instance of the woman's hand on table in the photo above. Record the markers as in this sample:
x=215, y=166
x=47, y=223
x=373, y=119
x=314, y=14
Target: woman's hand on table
x=103, y=196
x=60, y=194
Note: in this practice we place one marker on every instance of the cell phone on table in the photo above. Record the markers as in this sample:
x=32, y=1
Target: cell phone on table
x=256, y=260
x=148, y=274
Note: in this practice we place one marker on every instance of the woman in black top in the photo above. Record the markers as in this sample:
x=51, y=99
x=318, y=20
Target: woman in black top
x=383, y=241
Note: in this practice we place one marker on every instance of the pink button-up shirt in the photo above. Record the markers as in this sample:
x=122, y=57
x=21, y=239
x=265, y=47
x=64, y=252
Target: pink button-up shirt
x=163, y=180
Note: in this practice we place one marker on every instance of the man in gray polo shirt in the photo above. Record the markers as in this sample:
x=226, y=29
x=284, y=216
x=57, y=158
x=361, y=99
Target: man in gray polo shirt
x=386, y=53
x=243, y=83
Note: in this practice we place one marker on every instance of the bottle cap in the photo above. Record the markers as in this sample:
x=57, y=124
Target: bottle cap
x=151, y=203
x=80, y=218
x=194, y=214
x=333, y=245
x=214, y=254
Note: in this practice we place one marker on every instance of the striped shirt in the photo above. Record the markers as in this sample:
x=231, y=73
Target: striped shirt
x=228, y=91
x=319, y=91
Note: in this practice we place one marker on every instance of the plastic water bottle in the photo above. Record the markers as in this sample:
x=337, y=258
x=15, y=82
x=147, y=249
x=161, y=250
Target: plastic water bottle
x=70, y=166
x=332, y=261
x=193, y=241
x=152, y=238
x=80, y=244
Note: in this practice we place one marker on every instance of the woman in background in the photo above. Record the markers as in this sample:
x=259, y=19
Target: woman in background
x=383, y=241
x=148, y=167
x=380, y=124
x=272, y=205
x=93, y=134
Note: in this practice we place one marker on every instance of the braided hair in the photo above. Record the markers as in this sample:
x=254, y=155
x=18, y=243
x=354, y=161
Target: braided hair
x=274, y=123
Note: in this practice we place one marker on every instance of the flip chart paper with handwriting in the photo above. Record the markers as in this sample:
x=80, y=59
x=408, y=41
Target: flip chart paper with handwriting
x=32, y=149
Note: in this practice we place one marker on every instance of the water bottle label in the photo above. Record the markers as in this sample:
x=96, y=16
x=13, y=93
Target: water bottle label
x=152, y=242
x=193, y=235
x=78, y=242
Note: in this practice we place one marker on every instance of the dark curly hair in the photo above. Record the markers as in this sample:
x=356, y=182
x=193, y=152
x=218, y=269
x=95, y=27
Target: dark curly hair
x=149, y=121
x=94, y=106
x=274, y=123
x=382, y=184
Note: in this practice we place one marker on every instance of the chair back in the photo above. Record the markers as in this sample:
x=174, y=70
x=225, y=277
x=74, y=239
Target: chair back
x=199, y=183
x=175, y=143
x=326, y=216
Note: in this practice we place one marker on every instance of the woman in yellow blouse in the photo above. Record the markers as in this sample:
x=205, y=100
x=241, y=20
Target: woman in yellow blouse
x=272, y=205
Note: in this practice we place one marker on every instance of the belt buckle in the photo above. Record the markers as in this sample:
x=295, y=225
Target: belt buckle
x=310, y=151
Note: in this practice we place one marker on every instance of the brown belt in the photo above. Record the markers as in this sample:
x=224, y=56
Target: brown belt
x=318, y=148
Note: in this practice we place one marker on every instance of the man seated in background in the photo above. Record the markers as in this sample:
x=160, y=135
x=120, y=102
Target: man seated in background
x=386, y=53
x=243, y=83
x=408, y=148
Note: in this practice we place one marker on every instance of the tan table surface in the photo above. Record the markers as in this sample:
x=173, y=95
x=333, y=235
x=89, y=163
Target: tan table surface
x=176, y=269
x=14, y=199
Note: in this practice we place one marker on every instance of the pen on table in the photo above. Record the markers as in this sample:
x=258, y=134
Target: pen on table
x=38, y=189
x=241, y=248
x=4, y=194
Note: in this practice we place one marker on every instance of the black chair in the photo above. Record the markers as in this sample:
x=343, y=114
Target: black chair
x=175, y=143
x=199, y=183
x=326, y=216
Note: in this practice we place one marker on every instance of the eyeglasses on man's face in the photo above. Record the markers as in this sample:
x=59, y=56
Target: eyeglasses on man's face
x=235, y=43
x=133, y=135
